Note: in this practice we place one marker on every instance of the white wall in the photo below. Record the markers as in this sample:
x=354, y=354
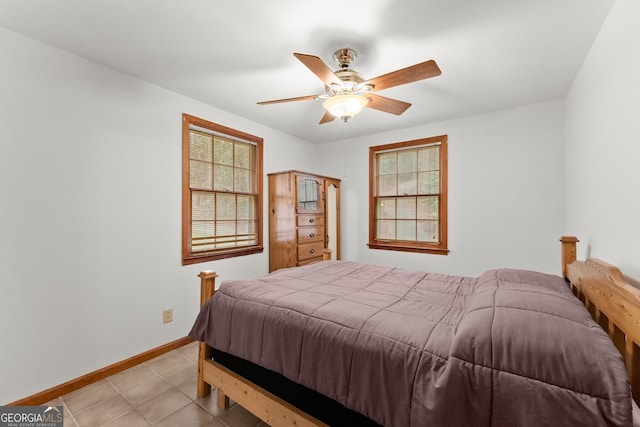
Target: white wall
x=505, y=192
x=90, y=193
x=602, y=144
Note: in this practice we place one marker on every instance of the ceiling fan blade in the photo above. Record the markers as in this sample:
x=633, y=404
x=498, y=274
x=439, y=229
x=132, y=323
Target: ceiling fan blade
x=328, y=117
x=421, y=71
x=319, y=68
x=298, y=98
x=388, y=105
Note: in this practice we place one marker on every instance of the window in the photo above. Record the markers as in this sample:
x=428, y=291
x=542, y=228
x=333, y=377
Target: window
x=408, y=196
x=221, y=191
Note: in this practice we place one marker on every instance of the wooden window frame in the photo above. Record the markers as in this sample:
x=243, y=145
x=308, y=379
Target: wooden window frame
x=188, y=256
x=441, y=247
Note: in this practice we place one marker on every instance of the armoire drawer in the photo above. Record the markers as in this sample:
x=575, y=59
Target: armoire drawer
x=310, y=250
x=310, y=234
x=315, y=220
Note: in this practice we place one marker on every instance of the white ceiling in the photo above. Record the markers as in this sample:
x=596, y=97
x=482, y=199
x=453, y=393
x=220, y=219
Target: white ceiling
x=493, y=54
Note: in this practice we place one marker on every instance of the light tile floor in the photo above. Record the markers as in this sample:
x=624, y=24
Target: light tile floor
x=160, y=392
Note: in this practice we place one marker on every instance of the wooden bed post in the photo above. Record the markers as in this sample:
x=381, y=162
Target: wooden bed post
x=569, y=252
x=207, y=289
x=326, y=254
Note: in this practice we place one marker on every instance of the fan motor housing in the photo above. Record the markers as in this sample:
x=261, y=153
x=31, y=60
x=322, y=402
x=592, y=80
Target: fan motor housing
x=350, y=77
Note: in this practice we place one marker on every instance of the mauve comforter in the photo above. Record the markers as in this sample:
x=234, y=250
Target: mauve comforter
x=409, y=348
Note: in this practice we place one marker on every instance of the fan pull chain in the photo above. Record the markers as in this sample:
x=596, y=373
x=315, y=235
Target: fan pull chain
x=344, y=152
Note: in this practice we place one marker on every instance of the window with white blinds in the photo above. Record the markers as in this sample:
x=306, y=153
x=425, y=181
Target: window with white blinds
x=408, y=196
x=222, y=192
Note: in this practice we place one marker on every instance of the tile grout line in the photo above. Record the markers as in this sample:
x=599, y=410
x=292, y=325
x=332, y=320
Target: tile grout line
x=182, y=358
x=134, y=408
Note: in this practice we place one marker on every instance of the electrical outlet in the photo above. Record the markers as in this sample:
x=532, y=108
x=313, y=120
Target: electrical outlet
x=167, y=315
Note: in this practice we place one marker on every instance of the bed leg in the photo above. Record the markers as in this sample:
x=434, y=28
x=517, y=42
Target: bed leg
x=223, y=400
x=204, y=353
x=569, y=252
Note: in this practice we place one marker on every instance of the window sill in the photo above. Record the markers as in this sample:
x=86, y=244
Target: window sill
x=194, y=259
x=405, y=248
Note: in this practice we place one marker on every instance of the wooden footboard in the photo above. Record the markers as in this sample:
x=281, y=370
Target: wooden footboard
x=207, y=289
x=229, y=385
x=261, y=403
x=612, y=301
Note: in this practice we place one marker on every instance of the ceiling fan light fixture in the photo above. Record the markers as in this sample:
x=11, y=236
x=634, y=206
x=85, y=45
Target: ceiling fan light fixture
x=345, y=106
x=347, y=92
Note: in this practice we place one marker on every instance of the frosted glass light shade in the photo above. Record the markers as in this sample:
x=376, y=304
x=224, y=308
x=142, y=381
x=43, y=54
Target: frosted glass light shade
x=345, y=106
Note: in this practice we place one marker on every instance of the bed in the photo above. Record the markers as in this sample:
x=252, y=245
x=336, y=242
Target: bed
x=343, y=343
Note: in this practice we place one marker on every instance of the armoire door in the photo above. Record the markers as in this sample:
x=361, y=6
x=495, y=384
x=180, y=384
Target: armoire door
x=332, y=211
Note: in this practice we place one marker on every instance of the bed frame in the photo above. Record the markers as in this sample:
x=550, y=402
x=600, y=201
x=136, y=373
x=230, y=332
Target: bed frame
x=612, y=301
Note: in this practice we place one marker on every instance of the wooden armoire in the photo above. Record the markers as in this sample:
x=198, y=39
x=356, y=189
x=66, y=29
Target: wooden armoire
x=304, y=218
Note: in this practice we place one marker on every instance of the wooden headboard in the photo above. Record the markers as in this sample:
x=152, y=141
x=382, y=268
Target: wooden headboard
x=612, y=301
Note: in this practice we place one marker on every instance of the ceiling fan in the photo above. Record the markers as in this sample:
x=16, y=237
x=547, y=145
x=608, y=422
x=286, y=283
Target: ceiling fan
x=347, y=92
